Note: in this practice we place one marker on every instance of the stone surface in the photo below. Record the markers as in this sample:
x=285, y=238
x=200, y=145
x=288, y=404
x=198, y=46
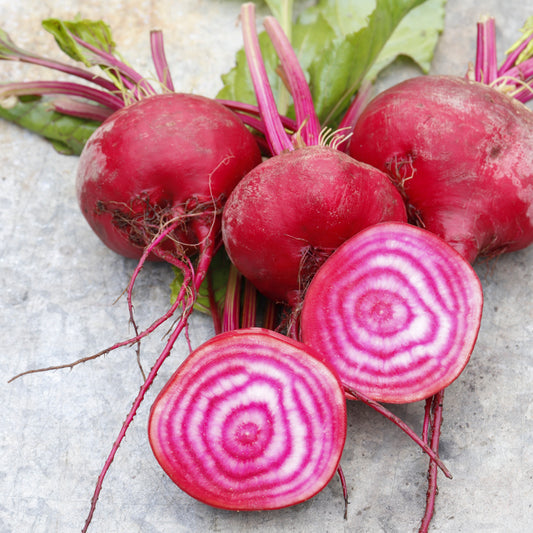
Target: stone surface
x=58, y=285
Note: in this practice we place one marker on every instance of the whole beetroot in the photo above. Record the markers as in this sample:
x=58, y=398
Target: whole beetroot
x=461, y=153
x=167, y=159
x=293, y=210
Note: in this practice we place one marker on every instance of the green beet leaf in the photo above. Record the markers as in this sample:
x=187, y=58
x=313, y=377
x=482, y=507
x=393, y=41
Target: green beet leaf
x=94, y=32
x=67, y=134
x=340, y=43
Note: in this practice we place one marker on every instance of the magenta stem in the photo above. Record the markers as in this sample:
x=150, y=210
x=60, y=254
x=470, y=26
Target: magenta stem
x=437, y=403
x=515, y=75
x=18, y=54
x=511, y=58
x=344, y=487
x=131, y=79
x=213, y=306
x=514, y=54
x=251, y=109
x=276, y=136
x=76, y=108
x=346, y=125
x=232, y=301
x=306, y=117
x=67, y=69
x=402, y=425
x=160, y=60
x=61, y=87
x=486, y=70
x=427, y=419
x=249, y=305
x=269, y=317
x=522, y=72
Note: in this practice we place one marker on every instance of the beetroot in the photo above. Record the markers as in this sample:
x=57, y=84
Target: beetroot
x=287, y=215
x=168, y=159
x=461, y=153
x=251, y=420
x=396, y=311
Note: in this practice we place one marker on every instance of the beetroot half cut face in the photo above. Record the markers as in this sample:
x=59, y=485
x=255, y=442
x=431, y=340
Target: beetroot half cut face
x=396, y=311
x=252, y=420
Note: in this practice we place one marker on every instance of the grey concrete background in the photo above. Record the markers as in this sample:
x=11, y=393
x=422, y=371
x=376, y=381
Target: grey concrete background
x=58, y=285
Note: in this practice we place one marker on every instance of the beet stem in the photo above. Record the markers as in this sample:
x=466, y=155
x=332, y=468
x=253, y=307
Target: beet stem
x=18, y=54
x=342, y=479
x=486, y=60
x=435, y=459
x=249, y=305
x=61, y=87
x=306, y=116
x=230, y=319
x=251, y=109
x=276, y=136
x=160, y=60
x=349, y=119
x=514, y=76
x=129, y=77
x=213, y=306
x=76, y=108
x=432, y=491
x=269, y=318
x=512, y=56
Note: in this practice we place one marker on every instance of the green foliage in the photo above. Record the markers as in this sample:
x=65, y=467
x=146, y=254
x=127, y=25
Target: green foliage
x=67, y=134
x=94, y=32
x=340, y=43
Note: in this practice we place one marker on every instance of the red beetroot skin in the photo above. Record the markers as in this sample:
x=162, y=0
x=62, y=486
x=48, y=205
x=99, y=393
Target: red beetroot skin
x=165, y=156
x=462, y=154
x=289, y=213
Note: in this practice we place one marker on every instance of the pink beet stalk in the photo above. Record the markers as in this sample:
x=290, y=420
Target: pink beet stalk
x=252, y=420
x=61, y=87
x=160, y=60
x=515, y=75
x=277, y=137
x=342, y=136
x=434, y=407
x=486, y=69
x=306, y=115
